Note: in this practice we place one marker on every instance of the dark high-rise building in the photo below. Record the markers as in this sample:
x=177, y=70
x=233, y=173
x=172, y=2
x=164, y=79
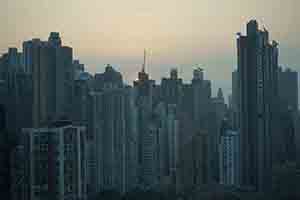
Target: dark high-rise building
x=288, y=88
x=82, y=87
x=193, y=170
x=13, y=86
x=30, y=53
x=171, y=88
x=201, y=98
x=288, y=109
x=235, y=100
x=51, y=66
x=5, y=149
x=257, y=72
x=108, y=80
x=23, y=95
x=3, y=100
x=63, y=81
x=2, y=117
x=216, y=117
x=54, y=165
x=112, y=127
x=287, y=137
x=297, y=138
x=144, y=89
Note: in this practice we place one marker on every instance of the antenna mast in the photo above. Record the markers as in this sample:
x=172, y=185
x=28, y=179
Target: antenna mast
x=144, y=63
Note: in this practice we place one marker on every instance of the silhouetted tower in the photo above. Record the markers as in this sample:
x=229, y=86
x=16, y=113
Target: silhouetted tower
x=143, y=76
x=257, y=72
x=171, y=88
x=144, y=88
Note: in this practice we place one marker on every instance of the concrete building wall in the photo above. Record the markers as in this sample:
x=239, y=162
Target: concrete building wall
x=57, y=164
x=229, y=158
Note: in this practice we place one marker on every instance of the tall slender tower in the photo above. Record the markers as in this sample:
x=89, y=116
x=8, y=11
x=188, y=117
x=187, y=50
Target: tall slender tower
x=143, y=76
x=257, y=85
x=144, y=88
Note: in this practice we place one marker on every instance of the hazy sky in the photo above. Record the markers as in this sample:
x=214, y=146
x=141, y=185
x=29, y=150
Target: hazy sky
x=180, y=33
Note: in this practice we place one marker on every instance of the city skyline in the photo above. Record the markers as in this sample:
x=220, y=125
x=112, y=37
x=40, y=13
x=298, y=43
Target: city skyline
x=67, y=134
x=107, y=34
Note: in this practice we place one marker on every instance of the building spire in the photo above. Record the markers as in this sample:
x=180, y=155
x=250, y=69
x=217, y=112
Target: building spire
x=144, y=63
x=142, y=76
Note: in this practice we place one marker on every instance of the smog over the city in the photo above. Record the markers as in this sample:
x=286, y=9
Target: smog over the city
x=172, y=99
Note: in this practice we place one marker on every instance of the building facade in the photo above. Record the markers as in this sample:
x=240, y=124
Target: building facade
x=288, y=88
x=257, y=72
x=54, y=163
x=51, y=67
x=229, y=158
x=193, y=167
x=112, y=134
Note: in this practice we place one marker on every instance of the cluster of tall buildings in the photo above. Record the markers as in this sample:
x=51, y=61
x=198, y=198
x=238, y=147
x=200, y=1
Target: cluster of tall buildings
x=71, y=135
x=78, y=134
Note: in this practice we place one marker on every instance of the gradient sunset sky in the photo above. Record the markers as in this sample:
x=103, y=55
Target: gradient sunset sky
x=179, y=33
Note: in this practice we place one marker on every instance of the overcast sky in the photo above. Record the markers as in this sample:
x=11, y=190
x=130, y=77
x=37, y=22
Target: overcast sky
x=179, y=33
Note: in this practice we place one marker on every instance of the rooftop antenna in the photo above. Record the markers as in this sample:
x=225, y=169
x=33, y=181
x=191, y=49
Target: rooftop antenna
x=144, y=63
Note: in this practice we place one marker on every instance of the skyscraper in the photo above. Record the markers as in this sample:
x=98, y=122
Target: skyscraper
x=112, y=124
x=194, y=162
x=201, y=98
x=5, y=149
x=55, y=161
x=219, y=109
x=235, y=100
x=2, y=117
x=51, y=66
x=167, y=122
x=82, y=87
x=229, y=155
x=147, y=130
x=288, y=111
x=288, y=88
x=171, y=88
x=15, y=84
x=257, y=72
